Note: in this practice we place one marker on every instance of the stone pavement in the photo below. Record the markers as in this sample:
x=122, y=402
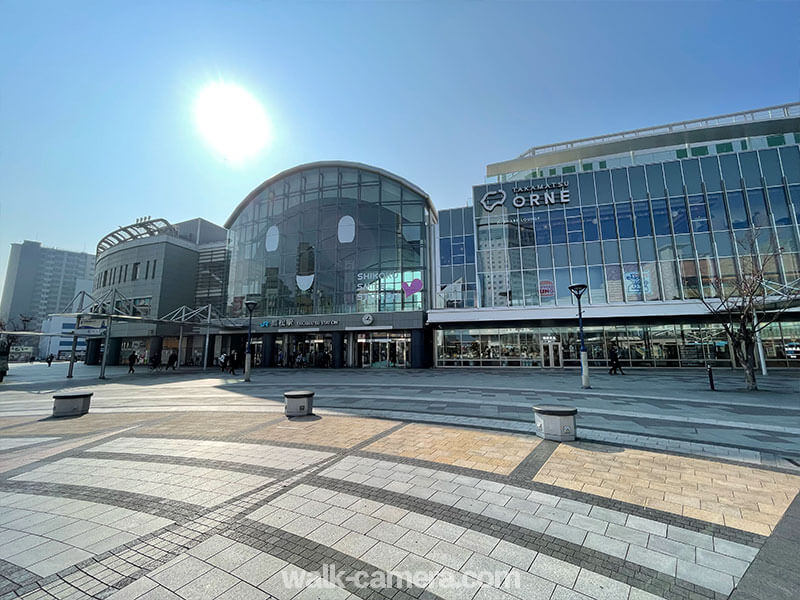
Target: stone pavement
x=157, y=494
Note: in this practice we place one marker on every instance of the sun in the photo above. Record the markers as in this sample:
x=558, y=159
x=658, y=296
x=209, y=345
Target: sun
x=231, y=120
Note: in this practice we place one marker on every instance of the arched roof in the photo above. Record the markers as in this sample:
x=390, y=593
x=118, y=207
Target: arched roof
x=328, y=164
x=141, y=229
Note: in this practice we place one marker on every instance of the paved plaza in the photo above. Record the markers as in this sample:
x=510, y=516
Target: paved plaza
x=426, y=484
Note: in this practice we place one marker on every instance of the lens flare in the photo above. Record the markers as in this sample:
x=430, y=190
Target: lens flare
x=232, y=121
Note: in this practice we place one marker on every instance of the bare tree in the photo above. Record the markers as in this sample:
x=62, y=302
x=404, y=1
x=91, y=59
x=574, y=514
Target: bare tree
x=751, y=300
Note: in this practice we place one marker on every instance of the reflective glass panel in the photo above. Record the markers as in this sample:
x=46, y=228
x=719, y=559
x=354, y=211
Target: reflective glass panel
x=608, y=222
x=586, y=185
x=716, y=206
x=661, y=217
x=647, y=249
x=691, y=175
x=558, y=227
x=642, y=212
x=672, y=170
x=730, y=171
x=750, y=170
x=619, y=178
x=790, y=157
x=770, y=166
x=590, y=225
x=638, y=185
x=655, y=180
x=597, y=285
x=611, y=251
x=603, y=187
x=711, y=174
x=758, y=208
x=680, y=223
x=625, y=219
x=738, y=211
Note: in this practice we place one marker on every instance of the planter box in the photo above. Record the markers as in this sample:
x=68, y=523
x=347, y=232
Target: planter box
x=555, y=423
x=299, y=403
x=71, y=405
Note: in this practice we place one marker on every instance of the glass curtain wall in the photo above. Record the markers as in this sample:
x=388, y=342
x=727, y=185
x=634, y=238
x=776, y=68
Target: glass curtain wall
x=330, y=240
x=683, y=345
x=643, y=233
x=457, y=269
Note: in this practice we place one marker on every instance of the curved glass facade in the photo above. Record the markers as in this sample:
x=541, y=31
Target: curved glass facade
x=330, y=238
x=655, y=232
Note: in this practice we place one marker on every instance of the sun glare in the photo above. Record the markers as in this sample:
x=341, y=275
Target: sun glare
x=231, y=120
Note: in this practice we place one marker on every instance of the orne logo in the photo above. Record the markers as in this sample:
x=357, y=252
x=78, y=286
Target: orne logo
x=493, y=199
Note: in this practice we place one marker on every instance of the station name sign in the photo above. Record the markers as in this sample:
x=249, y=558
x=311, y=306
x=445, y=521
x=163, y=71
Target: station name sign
x=298, y=323
x=531, y=195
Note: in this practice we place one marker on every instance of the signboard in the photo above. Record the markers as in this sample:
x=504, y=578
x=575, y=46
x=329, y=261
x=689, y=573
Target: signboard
x=547, y=288
x=92, y=326
x=527, y=196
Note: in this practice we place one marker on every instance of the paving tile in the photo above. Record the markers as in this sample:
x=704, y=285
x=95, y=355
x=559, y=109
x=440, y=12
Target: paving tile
x=477, y=542
x=259, y=568
x=694, y=538
x=242, y=591
x=709, y=578
x=135, y=589
x=600, y=587
x=448, y=554
x=562, y=593
x=516, y=556
x=486, y=569
x=552, y=569
x=735, y=550
x=672, y=547
x=232, y=557
x=566, y=532
x=652, y=559
x=606, y=544
x=647, y=525
x=626, y=534
x=526, y=585
x=209, y=585
x=354, y=544
x=384, y=556
x=721, y=562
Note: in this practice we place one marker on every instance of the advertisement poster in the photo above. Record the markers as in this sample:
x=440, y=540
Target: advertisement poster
x=547, y=288
x=635, y=284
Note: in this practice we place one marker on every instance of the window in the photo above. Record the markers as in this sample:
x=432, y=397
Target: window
x=660, y=217
x=135, y=271
x=738, y=210
x=147, y=270
x=154, y=269
x=444, y=251
x=779, y=206
x=677, y=207
x=641, y=210
x=125, y=274
x=105, y=278
x=608, y=226
x=625, y=220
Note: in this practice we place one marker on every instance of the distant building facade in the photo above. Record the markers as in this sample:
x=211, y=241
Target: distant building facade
x=41, y=281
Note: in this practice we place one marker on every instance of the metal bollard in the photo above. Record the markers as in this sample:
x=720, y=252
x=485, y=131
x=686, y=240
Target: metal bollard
x=710, y=378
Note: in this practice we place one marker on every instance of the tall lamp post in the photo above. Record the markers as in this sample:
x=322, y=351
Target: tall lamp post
x=248, y=358
x=578, y=289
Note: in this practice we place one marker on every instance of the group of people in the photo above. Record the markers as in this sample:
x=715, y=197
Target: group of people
x=228, y=362
x=299, y=360
x=154, y=362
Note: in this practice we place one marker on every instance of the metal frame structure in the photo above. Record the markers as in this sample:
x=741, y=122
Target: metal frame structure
x=135, y=231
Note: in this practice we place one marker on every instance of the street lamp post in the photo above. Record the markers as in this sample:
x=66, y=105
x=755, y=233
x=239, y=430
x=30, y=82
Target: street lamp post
x=578, y=290
x=248, y=358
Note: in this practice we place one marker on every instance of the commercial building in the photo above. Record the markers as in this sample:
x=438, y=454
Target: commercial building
x=59, y=341
x=337, y=258
x=153, y=267
x=647, y=219
x=41, y=281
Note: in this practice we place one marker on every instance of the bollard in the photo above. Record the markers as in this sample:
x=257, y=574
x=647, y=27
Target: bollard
x=710, y=377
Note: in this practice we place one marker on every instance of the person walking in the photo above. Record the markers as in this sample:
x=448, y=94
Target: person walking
x=172, y=361
x=132, y=361
x=222, y=360
x=613, y=359
x=50, y=358
x=232, y=362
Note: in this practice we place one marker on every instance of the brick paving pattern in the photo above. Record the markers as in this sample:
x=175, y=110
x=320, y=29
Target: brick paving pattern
x=242, y=503
x=736, y=496
x=493, y=452
x=336, y=432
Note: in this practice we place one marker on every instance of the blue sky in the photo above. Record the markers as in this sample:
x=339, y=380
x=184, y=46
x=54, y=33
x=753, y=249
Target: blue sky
x=96, y=125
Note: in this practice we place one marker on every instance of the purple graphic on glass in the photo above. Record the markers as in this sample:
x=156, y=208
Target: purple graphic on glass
x=412, y=288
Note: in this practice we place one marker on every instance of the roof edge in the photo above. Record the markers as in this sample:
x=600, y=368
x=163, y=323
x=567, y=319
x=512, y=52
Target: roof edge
x=328, y=163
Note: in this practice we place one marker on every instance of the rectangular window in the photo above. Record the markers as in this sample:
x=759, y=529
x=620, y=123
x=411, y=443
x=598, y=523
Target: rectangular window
x=135, y=271
x=661, y=217
x=587, y=166
x=779, y=206
x=700, y=151
x=154, y=269
x=691, y=176
x=105, y=278
x=775, y=140
x=682, y=153
x=672, y=171
x=614, y=283
x=638, y=185
x=602, y=182
x=625, y=220
x=619, y=180
x=750, y=169
x=558, y=227
x=574, y=225
x=590, y=225
x=790, y=157
x=542, y=230
x=711, y=175
x=758, y=208
x=603, y=164
x=725, y=147
x=147, y=270
x=770, y=166
x=641, y=210
x=647, y=250
x=444, y=224
x=608, y=225
x=569, y=169
x=655, y=180
x=680, y=222
x=586, y=187
x=125, y=275
x=597, y=285
x=737, y=209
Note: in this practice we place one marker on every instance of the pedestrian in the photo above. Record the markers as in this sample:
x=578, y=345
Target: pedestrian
x=172, y=361
x=232, y=362
x=221, y=360
x=613, y=359
x=132, y=361
x=50, y=358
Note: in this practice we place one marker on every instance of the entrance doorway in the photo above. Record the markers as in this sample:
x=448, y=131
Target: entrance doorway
x=382, y=350
x=552, y=357
x=314, y=350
